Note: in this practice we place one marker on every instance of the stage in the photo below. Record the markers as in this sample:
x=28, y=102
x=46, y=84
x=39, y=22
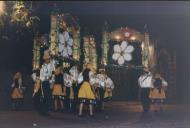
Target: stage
x=118, y=115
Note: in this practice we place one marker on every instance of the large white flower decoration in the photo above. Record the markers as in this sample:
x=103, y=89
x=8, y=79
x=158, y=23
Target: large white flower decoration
x=65, y=44
x=122, y=52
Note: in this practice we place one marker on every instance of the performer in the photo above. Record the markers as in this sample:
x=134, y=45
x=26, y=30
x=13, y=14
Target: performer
x=109, y=86
x=57, y=92
x=16, y=91
x=100, y=88
x=68, y=90
x=157, y=93
x=46, y=73
x=37, y=89
x=86, y=94
x=145, y=82
x=74, y=71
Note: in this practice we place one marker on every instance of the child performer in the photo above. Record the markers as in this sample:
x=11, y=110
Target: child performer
x=16, y=92
x=86, y=94
x=57, y=92
x=157, y=93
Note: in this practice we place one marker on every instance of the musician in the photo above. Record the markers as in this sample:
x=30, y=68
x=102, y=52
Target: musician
x=58, y=87
x=46, y=73
x=145, y=83
x=157, y=93
x=16, y=91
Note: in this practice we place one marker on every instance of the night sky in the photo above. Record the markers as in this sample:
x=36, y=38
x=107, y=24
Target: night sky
x=168, y=24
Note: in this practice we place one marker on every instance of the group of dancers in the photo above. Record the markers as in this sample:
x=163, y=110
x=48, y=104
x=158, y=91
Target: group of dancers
x=66, y=88
x=71, y=89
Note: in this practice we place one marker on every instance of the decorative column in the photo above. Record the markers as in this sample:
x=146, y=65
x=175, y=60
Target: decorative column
x=36, y=54
x=145, y=50
x=90, y=55
x=54, y=34
x=76, y=45
x=105, y=45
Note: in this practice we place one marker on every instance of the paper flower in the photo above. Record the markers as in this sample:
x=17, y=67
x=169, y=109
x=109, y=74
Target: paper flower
x=122, y=52
x=65, y=44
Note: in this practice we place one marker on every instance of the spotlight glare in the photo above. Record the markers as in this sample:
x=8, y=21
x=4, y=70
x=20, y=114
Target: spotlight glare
x=2, y=7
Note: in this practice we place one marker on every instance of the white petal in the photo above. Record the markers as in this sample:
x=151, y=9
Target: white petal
x=61, y=38
x=61, y=47
x=115, y=56
x=64, y=53
x=70, y=42
x=69, y=50
x=123, y=45
x=121, y=60
x=127, y=57
x=66, y=36
x=117, y=48
x=129, y=49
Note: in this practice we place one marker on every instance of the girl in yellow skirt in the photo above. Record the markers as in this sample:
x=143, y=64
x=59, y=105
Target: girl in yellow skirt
x=57, y=92
x=16, y=91
x=86, y=94
x=157, y=93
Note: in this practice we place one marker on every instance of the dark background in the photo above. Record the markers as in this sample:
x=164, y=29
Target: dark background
x=168, y=24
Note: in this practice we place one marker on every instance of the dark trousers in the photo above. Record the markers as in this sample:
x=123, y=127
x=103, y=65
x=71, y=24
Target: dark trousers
x=67, y=101
x=75, y=101
x=100, y=92
x=46, y=97
x=36, y=100
x=145, y=99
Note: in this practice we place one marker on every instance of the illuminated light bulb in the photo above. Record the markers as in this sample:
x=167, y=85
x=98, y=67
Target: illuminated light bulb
x=142, y=45
x=133, y=38
x=117, y=37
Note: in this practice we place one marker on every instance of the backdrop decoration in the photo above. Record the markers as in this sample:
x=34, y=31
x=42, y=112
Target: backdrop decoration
x=122, y=52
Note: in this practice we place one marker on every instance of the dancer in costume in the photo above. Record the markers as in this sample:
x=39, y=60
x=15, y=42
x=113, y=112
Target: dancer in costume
x=37, y=89
x=17, y=92
x=57, y=91
x=74, y=71
x=157, y=93
x=100, y=88
x=145, y=82
x=46, y=74
x=109, y=86
x=68, y=90
x=86, y=94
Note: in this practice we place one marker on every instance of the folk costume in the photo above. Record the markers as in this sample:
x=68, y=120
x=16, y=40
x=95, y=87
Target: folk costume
x=16, y=91
x=86, y=94
x=157, y=93
x=68, y=90
x=46, y=73
x=109, y=86
x=58, y=89
x=37, y=89
x=74, y=74
x=145, y=83
x=100, y=90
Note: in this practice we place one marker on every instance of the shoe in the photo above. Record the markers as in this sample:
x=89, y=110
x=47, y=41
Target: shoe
x=92, y=115
x=80, y=115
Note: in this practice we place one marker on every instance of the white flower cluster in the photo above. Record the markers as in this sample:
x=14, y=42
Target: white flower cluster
x=122, y=52
x=65, y=44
